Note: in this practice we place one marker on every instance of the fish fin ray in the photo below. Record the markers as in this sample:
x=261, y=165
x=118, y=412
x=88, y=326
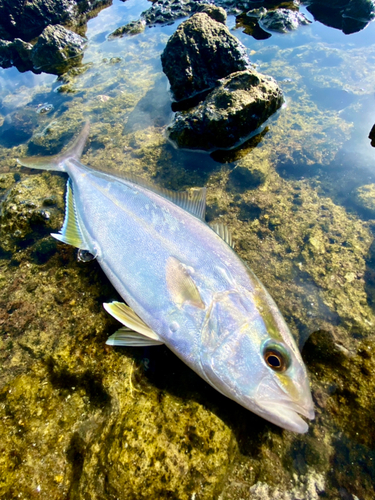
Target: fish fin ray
x=125, y=315
x=128, y=338
x=56, y=162
x=224, y=232
x=70, y=232
x=181, y=285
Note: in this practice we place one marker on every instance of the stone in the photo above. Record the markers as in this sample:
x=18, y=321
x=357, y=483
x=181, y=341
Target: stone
x=28, y=19
x=57, y=50
x=348, y=16
x=199, y=53
x=283, y=20
x=238, y=106
x=372, y=136
x=131, y=29
x=16, y=53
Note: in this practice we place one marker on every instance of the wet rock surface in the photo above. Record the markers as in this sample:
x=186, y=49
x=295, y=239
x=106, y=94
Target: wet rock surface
x=26, y=20
x=282, y=20
x=349, y=16
x=22, y=22
x=57, y=50
x=239, y=105
x=199, y=53
x=16, y=53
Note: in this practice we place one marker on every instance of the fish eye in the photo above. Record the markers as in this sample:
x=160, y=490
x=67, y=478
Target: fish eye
x=275, y=358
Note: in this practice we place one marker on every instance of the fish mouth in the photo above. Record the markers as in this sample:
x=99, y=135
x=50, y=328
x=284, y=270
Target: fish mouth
x=287, y=415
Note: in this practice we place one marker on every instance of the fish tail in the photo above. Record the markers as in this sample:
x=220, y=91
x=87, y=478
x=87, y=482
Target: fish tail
x=57, y=162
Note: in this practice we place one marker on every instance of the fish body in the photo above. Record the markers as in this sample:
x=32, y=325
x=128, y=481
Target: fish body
x=187, y=288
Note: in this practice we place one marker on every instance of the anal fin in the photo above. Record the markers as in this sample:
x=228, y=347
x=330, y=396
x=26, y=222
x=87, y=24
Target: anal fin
x=224, y=232
x=136, y=332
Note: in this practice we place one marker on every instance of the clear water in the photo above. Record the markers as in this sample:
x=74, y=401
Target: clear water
x=307, y=232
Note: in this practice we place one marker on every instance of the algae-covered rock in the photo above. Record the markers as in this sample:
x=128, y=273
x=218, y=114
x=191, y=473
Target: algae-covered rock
x=131, y=29
x=199, y=53
x=239, y=105
x=31, y=210
x=364, y=197
x=57, y=50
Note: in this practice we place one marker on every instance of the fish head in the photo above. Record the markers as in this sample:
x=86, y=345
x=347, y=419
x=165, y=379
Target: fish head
x=249, y=355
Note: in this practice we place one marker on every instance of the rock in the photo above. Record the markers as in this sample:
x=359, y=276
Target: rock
x=240, y=104
x=282, y=20
x=372, y=136
x=199, y=53
x=28, y=19
x=57, y=50
x=16, y=53
x=28, y=213
x=216, y=13
x=348, y=16
x=132, y=28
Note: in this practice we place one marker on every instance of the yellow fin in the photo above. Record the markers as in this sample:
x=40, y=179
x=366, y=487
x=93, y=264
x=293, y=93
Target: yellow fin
x=70, y=233
x=125, y=315
x=126, y=337
x=181, y=285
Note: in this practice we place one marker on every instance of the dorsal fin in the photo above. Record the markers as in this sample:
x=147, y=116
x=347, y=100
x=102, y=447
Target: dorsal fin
x=181, y=285
x=70, y=233
x=193, y=200
x=224, y=232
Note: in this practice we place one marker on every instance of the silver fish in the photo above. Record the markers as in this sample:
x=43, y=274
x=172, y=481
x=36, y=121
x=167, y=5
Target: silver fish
x=184, y=287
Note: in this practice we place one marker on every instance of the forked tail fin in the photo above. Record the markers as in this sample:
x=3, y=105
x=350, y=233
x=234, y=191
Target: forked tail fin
x=57, y=162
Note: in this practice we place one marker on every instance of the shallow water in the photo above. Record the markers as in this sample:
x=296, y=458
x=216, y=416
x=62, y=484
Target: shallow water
x=82, y=421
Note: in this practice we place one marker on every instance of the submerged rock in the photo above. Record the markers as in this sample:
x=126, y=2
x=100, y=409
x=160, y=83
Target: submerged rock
x=57, y=50
x=199, y=53
x=282, y=20
x=364, y=197
x=238, y=106
x=16, y=53
x=132, y=28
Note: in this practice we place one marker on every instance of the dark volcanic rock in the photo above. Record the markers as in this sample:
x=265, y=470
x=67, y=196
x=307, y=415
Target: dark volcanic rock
x=283, y=20
x=349, y=16
x=27, y=19
x=241, y=103
x=57, y=49
x=372, y=136
x=199, y=53
x=16, y=53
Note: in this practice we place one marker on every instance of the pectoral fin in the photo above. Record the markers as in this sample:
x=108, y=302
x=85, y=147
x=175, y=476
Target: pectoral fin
x=136, y=331
x=181, y=285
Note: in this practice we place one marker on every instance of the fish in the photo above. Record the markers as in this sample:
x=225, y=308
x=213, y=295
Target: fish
x=183, y=285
